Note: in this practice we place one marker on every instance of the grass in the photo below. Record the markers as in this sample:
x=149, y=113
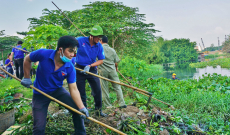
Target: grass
x=206, y=101
x=12, y=83
x=224, y=63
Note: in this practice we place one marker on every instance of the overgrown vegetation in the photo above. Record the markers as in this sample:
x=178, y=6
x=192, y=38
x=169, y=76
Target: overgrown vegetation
x=205, y=101
x=7, y=84
x=224, y=63
x=180, y=51
x=138, y=69
x=212, y=56
x=201, y=107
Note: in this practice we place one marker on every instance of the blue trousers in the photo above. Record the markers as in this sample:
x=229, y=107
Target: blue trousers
x=9, y=70
x=40, y=105
x=94, y=84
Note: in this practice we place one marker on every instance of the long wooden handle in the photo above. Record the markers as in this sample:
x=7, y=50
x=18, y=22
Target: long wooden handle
x=68, y=19
x=65, y=105
x=21, y=49
x=143, y=93
x=123, y=84
x=124, y=77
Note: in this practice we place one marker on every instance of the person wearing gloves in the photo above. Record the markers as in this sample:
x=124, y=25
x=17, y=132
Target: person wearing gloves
x=54, y=66
x=89, y=49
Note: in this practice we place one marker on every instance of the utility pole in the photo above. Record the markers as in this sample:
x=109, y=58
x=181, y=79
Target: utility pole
x=203, y=43
x=225, y=38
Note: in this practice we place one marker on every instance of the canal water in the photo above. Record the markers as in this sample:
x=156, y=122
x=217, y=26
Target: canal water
x=193, y=73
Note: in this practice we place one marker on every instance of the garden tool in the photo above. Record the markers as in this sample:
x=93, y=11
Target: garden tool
x=170, y=106
x=65, y=105
x=123, y=84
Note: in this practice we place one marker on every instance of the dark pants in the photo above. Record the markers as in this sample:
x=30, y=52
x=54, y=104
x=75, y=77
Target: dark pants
x=94, y=84
x=40, y=105
x=19, y=66
x=32, y=72
x=9, y=70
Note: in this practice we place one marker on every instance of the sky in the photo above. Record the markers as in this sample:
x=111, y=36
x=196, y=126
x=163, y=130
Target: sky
x=190, y=19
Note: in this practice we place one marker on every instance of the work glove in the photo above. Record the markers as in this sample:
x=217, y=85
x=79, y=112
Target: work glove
x=85, y=111
x=86, y=69
x=26, y=82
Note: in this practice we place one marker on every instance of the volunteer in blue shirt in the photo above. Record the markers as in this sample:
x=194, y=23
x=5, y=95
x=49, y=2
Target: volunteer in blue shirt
x=89, y=49
x=54, y=66
x=18, y=59
x=9, y=64
x=73, y=60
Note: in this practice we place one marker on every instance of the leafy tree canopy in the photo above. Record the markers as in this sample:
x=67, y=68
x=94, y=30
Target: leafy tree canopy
x=180, y=51
x=45, y=36
x=6, y=43
x=124, y=26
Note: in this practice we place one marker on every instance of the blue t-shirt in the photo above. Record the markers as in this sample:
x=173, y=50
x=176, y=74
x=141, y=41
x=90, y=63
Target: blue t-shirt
x=48, y=80
x=73, y=60
x=86, y=54
x=8, y=61
x=18, y=53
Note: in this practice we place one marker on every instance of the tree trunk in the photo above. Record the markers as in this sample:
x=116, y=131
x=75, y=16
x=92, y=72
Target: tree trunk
x=113, y=40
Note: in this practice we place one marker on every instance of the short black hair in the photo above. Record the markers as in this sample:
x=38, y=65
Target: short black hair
x=104, y=39
x=67, y=41
x=20, y=42
x=9, y=55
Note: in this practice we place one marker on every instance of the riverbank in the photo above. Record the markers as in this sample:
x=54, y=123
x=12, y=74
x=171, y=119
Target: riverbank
x=224, y=63
x=203, y=104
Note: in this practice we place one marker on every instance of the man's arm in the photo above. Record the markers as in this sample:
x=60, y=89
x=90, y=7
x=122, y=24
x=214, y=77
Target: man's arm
x=75, y=95
x=97, y=63
x=27, y=66
x=11, y=56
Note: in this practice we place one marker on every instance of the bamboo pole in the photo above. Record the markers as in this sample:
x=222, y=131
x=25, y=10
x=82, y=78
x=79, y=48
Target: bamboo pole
x=123, y=84
x=68, y=19
x=171, y=106
x=65, y=105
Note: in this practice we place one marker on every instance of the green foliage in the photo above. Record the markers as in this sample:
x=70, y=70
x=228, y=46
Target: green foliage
x=51, y=17
x=224, y=63
x=226, y=45
x=156, y=56
x=6, y=42
x=45, y=36
x=180, y=51
x=14, y=84
x=212, y=48
x=2, y=32
x=124, y=26
x=212, y=56
x=138, y=69
x=204, y=101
